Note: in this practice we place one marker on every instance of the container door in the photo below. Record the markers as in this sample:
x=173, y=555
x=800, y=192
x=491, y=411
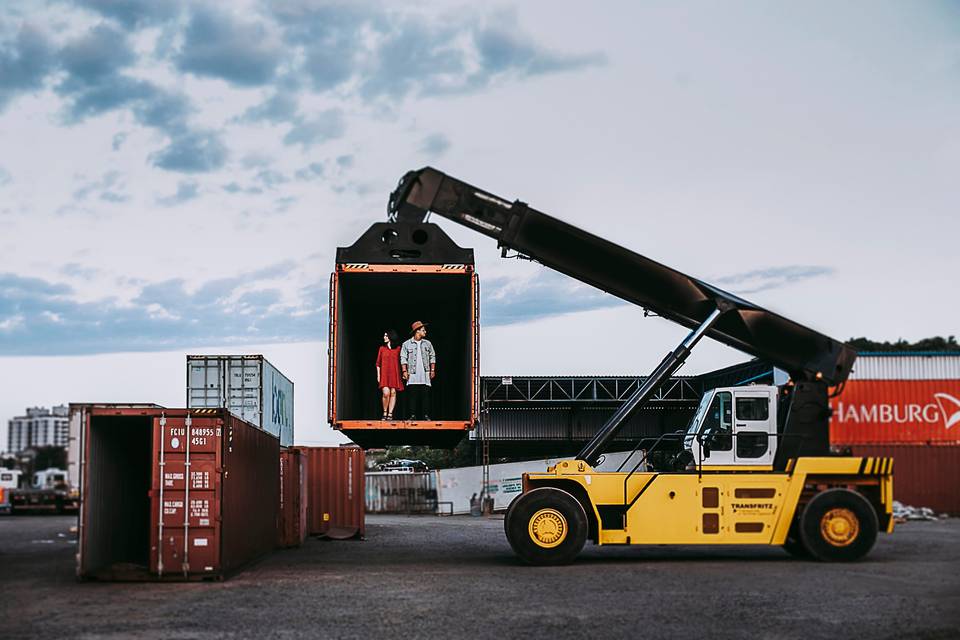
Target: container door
x=753, y=426
x=332, y=350
x=244, y=380
x=186, y=496
x=205, y=382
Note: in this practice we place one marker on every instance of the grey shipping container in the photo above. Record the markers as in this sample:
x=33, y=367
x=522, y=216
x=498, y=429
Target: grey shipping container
x=248, y=386
x=389, y=492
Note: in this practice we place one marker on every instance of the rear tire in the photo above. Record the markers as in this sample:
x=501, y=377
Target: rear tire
x=546, y=526
x=838, y=525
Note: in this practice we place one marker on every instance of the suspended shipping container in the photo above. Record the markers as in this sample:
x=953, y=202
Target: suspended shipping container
x=174, y=493
x=292, y=530
x=335, y=491
x=394, y=275
x=390, y=492
x=248, y=386
x=899, y=399
x=923, y=475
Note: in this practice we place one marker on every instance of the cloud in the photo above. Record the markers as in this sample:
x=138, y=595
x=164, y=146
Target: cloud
x=327, y=125
x=44, y=318
x=24, y=63
x=134, y=13
x=5, y=177
x=186, y=190
x=435, y=145
x=771, y=278
x=310, y=172
x=192, y=152
x=109, y=188
x=280, y=107
x=77, y=270
x=217, y=45
x=547, y=293
x=100, y=52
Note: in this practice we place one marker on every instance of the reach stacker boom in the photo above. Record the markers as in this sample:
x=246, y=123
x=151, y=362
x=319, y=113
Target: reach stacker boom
x=753, y=467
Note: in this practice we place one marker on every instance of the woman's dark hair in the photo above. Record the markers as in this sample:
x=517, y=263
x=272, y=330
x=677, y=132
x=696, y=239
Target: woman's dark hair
x=393, y=337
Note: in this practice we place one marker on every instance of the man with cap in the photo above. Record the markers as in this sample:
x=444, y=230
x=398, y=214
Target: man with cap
x=419, y=363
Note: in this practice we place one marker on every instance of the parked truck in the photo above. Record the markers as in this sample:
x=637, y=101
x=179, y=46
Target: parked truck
x=49, y=490
x=753, y=467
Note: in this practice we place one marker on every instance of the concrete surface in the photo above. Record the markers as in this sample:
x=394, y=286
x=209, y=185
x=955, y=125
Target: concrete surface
x=429, y=577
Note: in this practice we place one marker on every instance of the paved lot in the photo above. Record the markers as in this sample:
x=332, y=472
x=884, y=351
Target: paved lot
x=427, y=577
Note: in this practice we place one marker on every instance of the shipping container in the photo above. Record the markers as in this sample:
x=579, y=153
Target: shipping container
x=174, y=493
x=248, y=386
x=292, y=530
x=899, y=398
x=394, y=275
x=335, y=491
x=923, y=475
x=389, y=492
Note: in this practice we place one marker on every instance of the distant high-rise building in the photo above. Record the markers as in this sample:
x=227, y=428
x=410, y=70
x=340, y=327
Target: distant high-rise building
x=41, y=427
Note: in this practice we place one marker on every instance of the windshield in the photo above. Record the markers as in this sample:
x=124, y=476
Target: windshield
x=698, y=416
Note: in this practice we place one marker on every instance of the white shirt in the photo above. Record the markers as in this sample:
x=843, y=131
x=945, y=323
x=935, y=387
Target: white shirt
x=422, y=376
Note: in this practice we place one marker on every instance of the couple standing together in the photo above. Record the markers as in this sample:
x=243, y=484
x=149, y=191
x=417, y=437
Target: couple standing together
x=415, y=361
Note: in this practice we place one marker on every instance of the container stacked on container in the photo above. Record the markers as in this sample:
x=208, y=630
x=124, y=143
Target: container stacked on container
x=906, y=405
x=292, y=530
x=396, y=274
x=335, y=491
x=174, y=493
x=248, y=386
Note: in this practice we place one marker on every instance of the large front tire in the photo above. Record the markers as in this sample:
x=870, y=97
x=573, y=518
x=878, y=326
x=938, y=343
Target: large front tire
x=546, y=526
x=838, y=525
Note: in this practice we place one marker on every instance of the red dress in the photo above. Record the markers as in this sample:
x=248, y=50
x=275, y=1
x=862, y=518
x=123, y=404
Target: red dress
x=389, y=362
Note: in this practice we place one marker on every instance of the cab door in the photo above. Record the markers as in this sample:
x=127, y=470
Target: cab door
x=754, y=426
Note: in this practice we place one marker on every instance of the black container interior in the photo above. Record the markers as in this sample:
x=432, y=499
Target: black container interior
x=371, y=303
x=118, y=476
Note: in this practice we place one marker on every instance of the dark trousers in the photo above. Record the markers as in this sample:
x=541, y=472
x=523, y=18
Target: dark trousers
x=418, y=400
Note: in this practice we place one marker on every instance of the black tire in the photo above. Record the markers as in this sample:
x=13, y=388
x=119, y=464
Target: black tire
x=794, y=545
x=853, y=534
x=557, y=516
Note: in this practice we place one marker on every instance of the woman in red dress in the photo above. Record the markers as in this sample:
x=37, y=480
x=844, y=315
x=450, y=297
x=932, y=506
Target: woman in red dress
x=388, y=372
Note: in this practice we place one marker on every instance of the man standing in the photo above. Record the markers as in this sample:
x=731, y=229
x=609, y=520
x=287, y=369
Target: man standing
x=419, y=363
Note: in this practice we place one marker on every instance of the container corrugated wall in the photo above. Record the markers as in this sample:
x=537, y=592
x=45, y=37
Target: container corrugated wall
x=923, y=475
x=401, y=492
x=292, y=530
x=335, y=491
x=915, y=411
x=907, y=366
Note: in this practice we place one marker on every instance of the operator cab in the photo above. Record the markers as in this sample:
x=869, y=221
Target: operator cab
x=734, y=426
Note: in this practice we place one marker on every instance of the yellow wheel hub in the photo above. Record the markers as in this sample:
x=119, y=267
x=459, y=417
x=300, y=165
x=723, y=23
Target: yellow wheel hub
x=547, y=528
x=839, y=527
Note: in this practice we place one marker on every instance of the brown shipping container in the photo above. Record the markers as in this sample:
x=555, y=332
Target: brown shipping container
x=292, y=530
x=896, y=412
x=335, y=491
x=174, y=493
x=923, y=475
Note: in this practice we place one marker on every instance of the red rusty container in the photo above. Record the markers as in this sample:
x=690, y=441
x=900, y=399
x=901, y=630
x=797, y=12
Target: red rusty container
x=174, y=493
x=896, y=412
x=335, y=491
x=292, y=530
x=923, y=475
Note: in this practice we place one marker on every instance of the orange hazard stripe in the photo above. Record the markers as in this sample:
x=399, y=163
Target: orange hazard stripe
x=363, y=267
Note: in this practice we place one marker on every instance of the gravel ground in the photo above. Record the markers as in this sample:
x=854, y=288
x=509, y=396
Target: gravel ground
x=429, y=577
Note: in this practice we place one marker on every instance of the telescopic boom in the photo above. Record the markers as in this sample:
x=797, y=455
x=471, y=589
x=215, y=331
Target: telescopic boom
x=805, y=354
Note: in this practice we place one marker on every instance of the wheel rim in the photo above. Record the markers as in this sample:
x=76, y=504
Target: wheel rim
x=840, y=527
x=547, y=528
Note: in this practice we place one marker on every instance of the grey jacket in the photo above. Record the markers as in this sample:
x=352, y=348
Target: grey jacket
x=408, y=354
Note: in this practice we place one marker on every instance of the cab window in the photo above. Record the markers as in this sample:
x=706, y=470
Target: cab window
x=753, y=409
x=718, y=423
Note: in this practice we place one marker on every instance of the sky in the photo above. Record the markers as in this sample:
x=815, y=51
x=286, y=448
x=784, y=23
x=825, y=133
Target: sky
x=175, y=176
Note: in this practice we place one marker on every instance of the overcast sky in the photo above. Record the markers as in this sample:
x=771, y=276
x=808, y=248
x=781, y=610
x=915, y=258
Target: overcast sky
x=176, y=176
